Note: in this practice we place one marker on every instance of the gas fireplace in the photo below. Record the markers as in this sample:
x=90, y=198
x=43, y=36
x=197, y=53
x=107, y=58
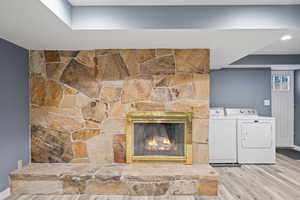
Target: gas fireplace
x=159, y=137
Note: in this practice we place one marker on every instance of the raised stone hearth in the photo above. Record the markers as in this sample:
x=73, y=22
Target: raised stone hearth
x=115, y=179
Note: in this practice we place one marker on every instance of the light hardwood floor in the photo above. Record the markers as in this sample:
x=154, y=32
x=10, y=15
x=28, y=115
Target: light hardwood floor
x=249, y=182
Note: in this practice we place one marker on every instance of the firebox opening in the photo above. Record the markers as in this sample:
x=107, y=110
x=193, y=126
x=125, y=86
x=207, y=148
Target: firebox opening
x=159, y=139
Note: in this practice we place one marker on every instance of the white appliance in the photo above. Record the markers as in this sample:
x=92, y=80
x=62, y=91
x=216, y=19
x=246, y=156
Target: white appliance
x=222, y=137
x=241, y=136
x=255, y=137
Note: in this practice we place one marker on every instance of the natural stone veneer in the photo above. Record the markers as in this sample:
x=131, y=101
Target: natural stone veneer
x=79, y=101
x=116, y=179
x=59, y=146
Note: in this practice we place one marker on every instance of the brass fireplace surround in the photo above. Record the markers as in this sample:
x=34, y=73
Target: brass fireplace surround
x=159, y=117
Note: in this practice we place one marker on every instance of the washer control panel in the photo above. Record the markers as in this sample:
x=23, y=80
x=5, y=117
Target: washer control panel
x=216, y=112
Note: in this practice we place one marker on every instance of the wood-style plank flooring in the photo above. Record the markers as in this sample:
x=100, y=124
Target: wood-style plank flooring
x=249, y=182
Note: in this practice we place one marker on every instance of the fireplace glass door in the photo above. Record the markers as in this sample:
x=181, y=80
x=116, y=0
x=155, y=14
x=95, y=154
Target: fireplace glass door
x=159, y=139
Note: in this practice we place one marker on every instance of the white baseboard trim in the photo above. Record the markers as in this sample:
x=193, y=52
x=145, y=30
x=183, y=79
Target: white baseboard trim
x=297, y=148
x=4, y=194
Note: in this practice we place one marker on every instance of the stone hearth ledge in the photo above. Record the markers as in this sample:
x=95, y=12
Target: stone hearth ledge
x=115, y=179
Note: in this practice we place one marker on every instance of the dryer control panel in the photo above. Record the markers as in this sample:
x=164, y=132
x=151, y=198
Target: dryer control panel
x=240, y=111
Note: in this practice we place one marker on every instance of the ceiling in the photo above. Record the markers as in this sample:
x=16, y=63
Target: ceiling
x=283, y=47
x=181, y=2
x=30, y=24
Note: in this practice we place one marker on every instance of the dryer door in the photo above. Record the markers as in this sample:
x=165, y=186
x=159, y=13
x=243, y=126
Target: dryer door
x=256, y=134
x=256, y=141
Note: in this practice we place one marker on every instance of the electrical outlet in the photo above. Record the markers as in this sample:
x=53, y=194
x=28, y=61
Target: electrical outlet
x=267, y=102
x=20, y=164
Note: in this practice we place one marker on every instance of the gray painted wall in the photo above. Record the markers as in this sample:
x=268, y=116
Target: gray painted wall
x=297, y=107
x=14, y=137
x=241, y=88
x=290, y=59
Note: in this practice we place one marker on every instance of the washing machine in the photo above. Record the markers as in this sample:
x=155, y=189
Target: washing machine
x=255, y=137
x=222, y=137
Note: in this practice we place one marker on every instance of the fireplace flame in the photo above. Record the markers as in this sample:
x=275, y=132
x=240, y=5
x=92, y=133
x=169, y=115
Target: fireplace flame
x=159, y=143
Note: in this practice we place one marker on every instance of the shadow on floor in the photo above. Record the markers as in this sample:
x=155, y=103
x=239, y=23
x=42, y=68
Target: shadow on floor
x=291, y=153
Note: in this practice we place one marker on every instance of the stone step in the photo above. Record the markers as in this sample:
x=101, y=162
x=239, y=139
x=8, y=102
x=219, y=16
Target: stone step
x=115, y=179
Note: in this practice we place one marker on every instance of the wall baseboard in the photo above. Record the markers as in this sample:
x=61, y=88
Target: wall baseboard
x=297, y=148
x=4, y=194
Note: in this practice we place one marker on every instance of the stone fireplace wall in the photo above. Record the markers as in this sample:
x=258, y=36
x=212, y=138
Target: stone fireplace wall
x=79, y=99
